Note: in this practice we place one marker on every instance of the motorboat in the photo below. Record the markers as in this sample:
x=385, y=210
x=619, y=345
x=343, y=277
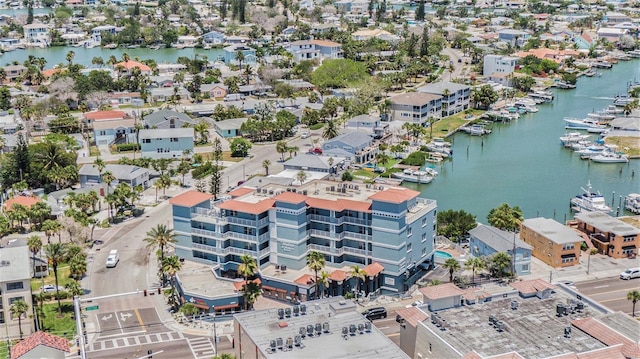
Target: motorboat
x=632, y=203
x=601, y=116
x=475, y=130
x=610, y=157
x=572, y=137
x=622, y=100
x=414, y=176
x=589, y=201
x=439, y=147
x=582, y=124
x=545, y=96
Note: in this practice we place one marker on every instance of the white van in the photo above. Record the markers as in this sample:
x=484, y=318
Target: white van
x=113, y=258
x=630, y=273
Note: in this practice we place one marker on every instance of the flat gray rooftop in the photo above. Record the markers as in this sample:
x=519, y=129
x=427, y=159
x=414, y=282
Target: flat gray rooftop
x=264, y=325
x=606, y=223
x=552, y=230
x=15, y=264
x=533, y=330
x=200, y=280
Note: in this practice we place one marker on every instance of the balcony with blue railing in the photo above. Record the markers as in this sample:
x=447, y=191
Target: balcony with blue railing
x=229, y=250
x=339, y=251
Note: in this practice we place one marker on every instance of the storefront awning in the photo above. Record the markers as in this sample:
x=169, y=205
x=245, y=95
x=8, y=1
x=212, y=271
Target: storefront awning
x=201, y=306
x=224, y=307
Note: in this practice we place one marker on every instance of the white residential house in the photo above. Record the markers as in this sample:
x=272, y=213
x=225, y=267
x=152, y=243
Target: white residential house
x=37, y=34
x=455, y=97
x=612, y=34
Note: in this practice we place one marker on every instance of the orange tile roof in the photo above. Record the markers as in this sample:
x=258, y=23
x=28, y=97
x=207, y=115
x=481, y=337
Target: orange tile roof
x=238, y=285
x=305, y=279
x=373, y=269
x=532, y=286
x=131, y=64
x=104, y=115
x=240, y=191
x=50, y=72
x=441, y=291
x=290, y=197
x=338, y=275
x=246, y=207
x=608, y=336
x=610, y=352
x=26, y=201
x=325, y=43
x=412, y=315
x=474, y=293
x=394, y=195
x=190, y=199
x=36, y=339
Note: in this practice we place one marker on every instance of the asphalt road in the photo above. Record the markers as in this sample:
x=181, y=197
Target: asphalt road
x=610, y=292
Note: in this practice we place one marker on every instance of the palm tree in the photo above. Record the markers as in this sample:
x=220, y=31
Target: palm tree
x=265, y=165
x=35, y=245
x=74, y=288
x=78, y=266
x=452, y=265
x=160, y=237
x=56, y=253
x=107, y=178
x=359, y=274
x=505, y=217
x=434, y=282
x=281, y=148
x=171, y=265
x=634, y=297
x=18, y=308
x=51, y=227
x=330, y=130
x=240, y=58
x=250, y=291
x=248, y=266
x=324, y=280
x=202, y=129
x=501, y=261
x=301, y=176
x=316, y=262
x=474, y=264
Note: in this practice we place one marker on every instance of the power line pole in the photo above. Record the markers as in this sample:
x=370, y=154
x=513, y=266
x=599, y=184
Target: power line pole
x=80, y=333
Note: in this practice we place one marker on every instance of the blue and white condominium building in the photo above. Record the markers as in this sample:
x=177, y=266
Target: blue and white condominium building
x=387, y=231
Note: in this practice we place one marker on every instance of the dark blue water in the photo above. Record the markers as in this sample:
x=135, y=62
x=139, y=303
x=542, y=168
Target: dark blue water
x=523, y=163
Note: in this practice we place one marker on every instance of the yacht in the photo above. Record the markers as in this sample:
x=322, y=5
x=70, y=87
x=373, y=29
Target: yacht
x=414, y=176
x=622, y=100
x=589, y=201
x=572, y=137
x=440, y=147
x=582, y=124
x=610, y=157
x=632, y=203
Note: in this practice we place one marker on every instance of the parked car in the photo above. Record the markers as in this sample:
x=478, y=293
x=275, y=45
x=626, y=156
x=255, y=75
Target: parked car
x=375, y=313
x=305, y=135
x=317, y=151
x=50, y=288
x=113, y=259
x=630, y=273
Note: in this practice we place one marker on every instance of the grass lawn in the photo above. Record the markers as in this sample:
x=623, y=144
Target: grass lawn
x=226, y=156
x=317, y=126
x=63, y=278
x=447, y=126
x=364, y=174
x=628, y=145
x=65, y=326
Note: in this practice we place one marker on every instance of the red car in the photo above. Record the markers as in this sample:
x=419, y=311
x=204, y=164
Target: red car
x=317, y=151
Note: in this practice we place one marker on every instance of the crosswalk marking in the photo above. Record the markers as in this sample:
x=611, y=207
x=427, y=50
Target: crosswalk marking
x=108, y=344
x=201, y=347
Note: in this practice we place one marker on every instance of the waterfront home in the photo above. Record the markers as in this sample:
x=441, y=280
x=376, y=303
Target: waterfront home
x=553, y=243
x=166, y=143
x=315, y=49
x=416, y=107
x=378, y=215
x=455, y=97
x=230, y=53
x=132, y=175
x=229, y=128
x=355, y=146
x=213, y=38
x=126, y=67
x=485, y=240
x=609, y=235
x=216, y=91
x=371, y=125
x=37, y=34
x=98, y=31
x=167, y=69
x=186, y=41
x=549, y=54
x=611, y=34
x=314, y=163
x=498, y=64
x=14, y=72
x=166, y=118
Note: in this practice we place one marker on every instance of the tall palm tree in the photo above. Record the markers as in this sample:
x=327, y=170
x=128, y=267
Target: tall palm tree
x=250, y=291
x=171, y=265
x=265, y=165
x=17, y=309
x=240, y=58
x=501, y=261
x=160, y=237
x=51, y=227
x=452, y=265
x=78, y=266
x=248, y=266
x=301, y=176
x=56, y=253
x=324, y=279
x=331, y=130
x=74, y=288
x=474, y=264
x=316, y=262
x=202, y=129
x=359, y=274
x=35, y=245
x=107, y=178
x=634, y=297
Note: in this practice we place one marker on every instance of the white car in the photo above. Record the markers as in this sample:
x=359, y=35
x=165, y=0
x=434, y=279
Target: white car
x=112, y=259
x=630, y=274
x=305, y=135
x=49, y=288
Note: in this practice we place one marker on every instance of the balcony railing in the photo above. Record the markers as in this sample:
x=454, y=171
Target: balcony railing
x=339, y=251
x=228, y=250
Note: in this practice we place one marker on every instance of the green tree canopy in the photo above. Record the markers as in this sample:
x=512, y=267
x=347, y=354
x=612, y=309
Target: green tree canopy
x=455, y=224
x=339, y=73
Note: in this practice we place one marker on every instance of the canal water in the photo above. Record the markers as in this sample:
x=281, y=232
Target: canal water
x=523, y=163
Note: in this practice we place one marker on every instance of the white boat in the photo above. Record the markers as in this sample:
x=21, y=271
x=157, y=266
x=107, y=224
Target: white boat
x=589, y=201
x=610, y=157
x=601, y=115
x=632, y=203
x=439, y=147
x=572, y=137
x=545, y=96
x=414, y=176
x=582, y=124
x=622, y=100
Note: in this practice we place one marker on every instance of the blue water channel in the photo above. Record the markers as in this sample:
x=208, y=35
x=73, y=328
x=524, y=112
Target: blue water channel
x=523, y=163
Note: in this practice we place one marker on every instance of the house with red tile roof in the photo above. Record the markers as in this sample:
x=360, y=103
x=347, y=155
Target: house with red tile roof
x=126, y=67
x=41, y=345
x=26, y=201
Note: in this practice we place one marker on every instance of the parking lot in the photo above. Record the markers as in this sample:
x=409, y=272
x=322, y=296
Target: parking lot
x=610, y=292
